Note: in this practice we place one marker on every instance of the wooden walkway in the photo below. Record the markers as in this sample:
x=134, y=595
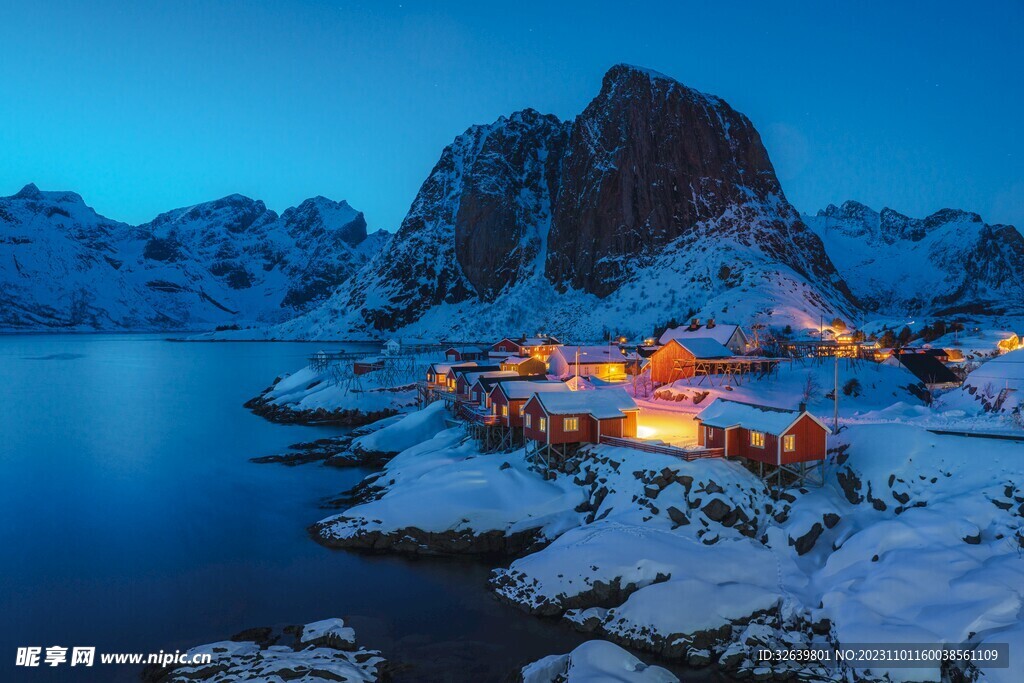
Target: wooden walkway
x=663, y=449
x=1003, y=436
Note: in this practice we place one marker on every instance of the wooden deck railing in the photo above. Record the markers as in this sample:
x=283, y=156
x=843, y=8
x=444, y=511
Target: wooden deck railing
x=477, y=416
x=663, y=449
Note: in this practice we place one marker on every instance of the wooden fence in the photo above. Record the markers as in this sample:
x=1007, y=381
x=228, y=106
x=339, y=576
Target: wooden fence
x=663, y=449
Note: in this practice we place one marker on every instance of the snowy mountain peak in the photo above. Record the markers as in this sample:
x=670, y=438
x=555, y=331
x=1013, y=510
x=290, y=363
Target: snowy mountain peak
x=319, y=215
x=655, y=193
x=30, y=191
x=947, y=262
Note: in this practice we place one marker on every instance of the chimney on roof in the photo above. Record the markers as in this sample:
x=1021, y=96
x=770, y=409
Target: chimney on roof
x=711, y=323
x=802, y=407
x=694, y=324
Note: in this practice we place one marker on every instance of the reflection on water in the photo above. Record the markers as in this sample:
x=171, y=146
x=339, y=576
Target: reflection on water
x=131, y=519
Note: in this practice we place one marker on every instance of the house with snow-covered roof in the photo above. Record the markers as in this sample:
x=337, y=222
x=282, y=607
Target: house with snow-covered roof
x=680, y=358
x=465, y=381
x=559, y=419
x=770, y=436
x=458, y=354
x=524, y=365
x=730, y=336
x=508, y=398
x=604, y=362
x=926, y=367
x=480, y=391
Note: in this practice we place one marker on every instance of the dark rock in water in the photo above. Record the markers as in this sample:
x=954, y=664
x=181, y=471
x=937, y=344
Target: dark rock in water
x=313, y=451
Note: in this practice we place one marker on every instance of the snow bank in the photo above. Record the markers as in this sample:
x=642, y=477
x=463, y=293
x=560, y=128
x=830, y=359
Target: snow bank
x=928, y=547
x=595, y=660
x=996, y=385
x=309, y=390
x=410, y=430
x=608, y=560
x=442, y=496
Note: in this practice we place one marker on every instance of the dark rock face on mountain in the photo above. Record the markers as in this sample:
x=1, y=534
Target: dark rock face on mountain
x=229, y=261
x=476, y=225
x=652, y=184
x=948, y=262
x=649, y=161
x=498, y=211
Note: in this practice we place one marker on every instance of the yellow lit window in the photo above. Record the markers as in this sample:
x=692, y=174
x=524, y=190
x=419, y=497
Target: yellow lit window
x=522, y=410
x=571, y=424
x=789, y=442
x=504, y=411
x=543, y=424
x=527, y=421
x=757, y=439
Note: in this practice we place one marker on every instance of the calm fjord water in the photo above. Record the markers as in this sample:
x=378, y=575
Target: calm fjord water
x=131, y=519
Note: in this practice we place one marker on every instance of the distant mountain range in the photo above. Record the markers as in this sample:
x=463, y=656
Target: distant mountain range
x=656, y=203
x=949, y=263
x=226, y=262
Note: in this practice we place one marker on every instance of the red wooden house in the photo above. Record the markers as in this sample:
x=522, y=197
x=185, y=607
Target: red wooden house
x=524, y=365
x=770, y=436
x=480, y=391
x=458, y=354
x=451, y=378
x=465, y=381
x=679, y=358
x=560, y=419
x=540, y=347
x=508, y=399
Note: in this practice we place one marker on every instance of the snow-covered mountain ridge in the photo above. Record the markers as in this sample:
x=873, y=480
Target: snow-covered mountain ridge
x=948, y=262
x=656, y=202
x=226, y=262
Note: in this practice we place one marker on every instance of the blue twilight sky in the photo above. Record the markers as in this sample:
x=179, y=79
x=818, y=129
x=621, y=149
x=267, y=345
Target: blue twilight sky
x=143, y=106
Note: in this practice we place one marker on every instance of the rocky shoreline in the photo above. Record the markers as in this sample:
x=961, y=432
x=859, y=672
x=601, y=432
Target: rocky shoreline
x=263, y=406
x=322, y=651
x=414, y=541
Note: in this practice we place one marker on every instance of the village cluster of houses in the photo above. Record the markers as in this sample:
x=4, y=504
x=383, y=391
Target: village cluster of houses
x=554, y=398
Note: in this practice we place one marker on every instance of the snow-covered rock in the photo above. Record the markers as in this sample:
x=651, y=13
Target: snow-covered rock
x=324, y=651
x=996, y=385
x=595, y=660
x=317, y=397
x=443, y=497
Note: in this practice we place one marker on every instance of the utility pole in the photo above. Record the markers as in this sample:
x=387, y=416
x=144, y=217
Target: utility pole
x=577, y=367
x=835, y=396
